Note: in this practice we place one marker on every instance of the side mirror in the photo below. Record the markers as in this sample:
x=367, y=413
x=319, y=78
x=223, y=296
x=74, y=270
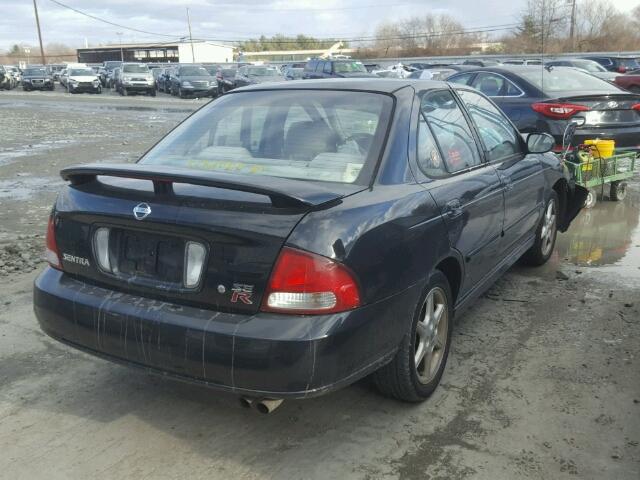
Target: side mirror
x=540, y=142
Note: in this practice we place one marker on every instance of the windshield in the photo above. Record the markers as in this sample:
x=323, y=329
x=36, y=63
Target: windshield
x=193, y=72
x=212, y=69
x=135, y=69
x=349, y=67
x=566, y=80
x=35, y=71
x=589, y=66
x=84, y=72
x=262, y=72
x=320, y=135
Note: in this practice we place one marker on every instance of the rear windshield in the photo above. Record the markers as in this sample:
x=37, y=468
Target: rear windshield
x=566, y=80
x=135, y=69
x=349, y=67
x=321, y=135
x=631, y=63
x=589, y=66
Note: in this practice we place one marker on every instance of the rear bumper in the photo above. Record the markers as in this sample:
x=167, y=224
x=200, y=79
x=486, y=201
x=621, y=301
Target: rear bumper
x=627, y=137
x=278, y=356
x=141, y=87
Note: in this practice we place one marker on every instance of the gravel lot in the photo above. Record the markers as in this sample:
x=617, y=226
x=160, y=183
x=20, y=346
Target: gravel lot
x=543, y=379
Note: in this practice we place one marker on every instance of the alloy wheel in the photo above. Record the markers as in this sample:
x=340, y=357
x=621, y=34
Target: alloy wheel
x=431, y=335
x=548, y=227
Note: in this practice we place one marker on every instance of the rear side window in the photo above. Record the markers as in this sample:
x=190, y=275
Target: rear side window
x=311, y=65
x=428, y=156
x=498, y=136
x=319, y=66
x=493, y=85
x=327, y=67
x=451, y=130
x=462, y=79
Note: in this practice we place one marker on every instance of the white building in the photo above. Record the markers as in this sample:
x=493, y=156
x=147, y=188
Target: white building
x=174, y=52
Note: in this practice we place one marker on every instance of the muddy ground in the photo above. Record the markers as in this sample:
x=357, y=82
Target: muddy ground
x=543, y=380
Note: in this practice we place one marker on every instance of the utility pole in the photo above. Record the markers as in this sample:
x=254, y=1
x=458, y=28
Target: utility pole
x=120, y=42
x=35, y=8
x=572, y=28
x=193, y=55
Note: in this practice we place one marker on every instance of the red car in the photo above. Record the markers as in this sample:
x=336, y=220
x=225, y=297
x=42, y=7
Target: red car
x=630, y=81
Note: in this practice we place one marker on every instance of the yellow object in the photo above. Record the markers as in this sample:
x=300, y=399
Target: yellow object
x=605, y=148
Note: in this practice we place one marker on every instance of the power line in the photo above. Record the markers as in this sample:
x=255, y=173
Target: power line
x=362, y=39
x=109, y=22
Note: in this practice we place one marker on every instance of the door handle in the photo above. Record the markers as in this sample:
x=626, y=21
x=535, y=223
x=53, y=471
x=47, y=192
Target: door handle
x=453, y=208
x=508, y=184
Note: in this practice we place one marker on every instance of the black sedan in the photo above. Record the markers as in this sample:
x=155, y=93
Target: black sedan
x=285, y=241
x=546, y=99
x=37, y=79
x=254, y=74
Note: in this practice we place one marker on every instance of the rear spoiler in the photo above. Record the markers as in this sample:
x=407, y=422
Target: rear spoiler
x=283, y=192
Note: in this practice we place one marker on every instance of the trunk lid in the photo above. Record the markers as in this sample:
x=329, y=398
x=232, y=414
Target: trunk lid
x=153, y=214
x=606, y=110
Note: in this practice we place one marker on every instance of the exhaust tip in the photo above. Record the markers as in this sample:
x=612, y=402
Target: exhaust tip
x=267, y=406
x=245, y=402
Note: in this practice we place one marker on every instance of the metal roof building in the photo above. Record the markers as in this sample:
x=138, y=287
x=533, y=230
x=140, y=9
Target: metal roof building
x=203, y=52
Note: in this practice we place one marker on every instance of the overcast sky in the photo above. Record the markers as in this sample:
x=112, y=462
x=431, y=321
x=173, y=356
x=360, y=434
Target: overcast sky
x=231, y=19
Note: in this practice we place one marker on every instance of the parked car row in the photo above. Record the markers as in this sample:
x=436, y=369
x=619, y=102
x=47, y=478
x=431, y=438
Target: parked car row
x=535, y=97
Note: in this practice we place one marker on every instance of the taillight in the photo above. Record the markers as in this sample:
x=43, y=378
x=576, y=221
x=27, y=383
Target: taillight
x=561, y=111
x=51, y=253
x=306, y=283
x=636, y=106
x=622, y=69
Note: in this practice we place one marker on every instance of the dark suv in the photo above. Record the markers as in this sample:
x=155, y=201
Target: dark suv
x=617, y=64
x=37, y=79
x=318, y=68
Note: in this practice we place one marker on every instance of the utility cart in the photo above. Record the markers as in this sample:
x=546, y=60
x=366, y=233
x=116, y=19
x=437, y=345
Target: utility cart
x=593, y=172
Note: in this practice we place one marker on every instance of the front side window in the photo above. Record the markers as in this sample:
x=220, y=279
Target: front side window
x=451, y=130
x=327, y=67
x=499, y=138
x=320, y=135
x=349, y=67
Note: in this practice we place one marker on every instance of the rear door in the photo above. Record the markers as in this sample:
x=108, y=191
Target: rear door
x=467, y=190
x=520, y=173
x=509, y=96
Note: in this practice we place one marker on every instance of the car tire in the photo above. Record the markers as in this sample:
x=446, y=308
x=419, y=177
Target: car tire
x=592, y=199
x=546, y=234
x=25, y=89
x=618, y=191
x=402, y=378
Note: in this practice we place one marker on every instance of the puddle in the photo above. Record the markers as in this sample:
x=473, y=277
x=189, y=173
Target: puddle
x=8, y=155
x=606, y=237
x=27, y=187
